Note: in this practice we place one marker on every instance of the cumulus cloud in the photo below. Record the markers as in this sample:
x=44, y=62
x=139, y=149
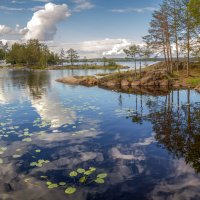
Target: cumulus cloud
x=43, y=24
x=95, y=48
x=6, y=30
x=117, y=49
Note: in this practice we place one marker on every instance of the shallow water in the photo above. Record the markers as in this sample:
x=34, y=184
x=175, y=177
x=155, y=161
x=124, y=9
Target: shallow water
x=148, y=147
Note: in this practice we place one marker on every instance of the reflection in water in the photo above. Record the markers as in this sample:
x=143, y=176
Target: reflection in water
x=177, y=129
x=79, y=127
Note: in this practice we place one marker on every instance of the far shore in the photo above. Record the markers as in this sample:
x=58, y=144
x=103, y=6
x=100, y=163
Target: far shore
x=153, y=78
x=64, y=67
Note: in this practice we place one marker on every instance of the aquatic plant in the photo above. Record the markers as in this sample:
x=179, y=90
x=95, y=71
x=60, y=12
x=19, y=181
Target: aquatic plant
x=81, y=177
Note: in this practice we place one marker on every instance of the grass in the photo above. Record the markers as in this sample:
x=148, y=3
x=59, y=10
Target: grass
x=88, y=67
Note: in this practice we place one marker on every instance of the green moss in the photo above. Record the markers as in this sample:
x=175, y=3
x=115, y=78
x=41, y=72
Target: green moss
x=193, y=81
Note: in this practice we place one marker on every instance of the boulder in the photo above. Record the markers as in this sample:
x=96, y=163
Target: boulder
x=125, y=83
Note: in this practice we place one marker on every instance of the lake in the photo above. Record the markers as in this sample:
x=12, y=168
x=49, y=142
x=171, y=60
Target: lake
x=61, y=141
x=129, y=64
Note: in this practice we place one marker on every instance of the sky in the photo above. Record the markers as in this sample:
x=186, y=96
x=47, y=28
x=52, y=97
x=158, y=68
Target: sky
x=95, y=28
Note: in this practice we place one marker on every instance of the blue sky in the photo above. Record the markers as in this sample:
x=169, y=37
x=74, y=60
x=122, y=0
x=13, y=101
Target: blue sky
x=87, y=20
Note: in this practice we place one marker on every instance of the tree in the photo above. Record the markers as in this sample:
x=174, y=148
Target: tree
x=104, y=60
x=140, y=54
x=62, y=55
x=132, y=52
x=85, y=60
x=194, y=10
x=188, y=27
x=32, y=53
x=72, y=56
x=146, y=53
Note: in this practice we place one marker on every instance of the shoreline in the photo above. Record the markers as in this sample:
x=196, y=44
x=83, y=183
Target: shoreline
x=83, y=67
x=153, y=78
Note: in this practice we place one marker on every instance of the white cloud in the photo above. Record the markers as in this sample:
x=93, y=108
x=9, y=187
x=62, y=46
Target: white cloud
x=138, y=10
x=117, y=49
x=42, y=26
x=82, y=5
x=95, y=48
x=45, y=1
x=5, y=8
x=6, y=30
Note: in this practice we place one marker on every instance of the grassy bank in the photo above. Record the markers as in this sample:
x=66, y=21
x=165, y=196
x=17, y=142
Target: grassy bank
x=107, y=67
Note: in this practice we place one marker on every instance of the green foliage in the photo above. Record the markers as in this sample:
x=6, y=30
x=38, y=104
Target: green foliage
x=72, y=56
x=73, y=174
x=70, y=190
x=31, y=54
x=2, y=54
x=194, y=9
x=103, y=175
x=80, y=170
x=99, y=180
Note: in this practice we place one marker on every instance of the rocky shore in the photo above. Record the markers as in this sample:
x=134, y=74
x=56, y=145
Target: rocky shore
x=154, y=78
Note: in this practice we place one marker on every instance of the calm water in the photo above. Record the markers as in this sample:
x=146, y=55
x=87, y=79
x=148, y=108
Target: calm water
x=124, y=63
x=147, y=146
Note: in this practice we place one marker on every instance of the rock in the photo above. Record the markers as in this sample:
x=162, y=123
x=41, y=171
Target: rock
x=197, y=88
x=111, y=83
x=89, y=81
x=135, y=83
x=69, y=80
x=125, y=83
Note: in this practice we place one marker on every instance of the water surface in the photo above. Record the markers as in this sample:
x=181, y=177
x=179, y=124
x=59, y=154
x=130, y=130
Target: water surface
x=147, y=145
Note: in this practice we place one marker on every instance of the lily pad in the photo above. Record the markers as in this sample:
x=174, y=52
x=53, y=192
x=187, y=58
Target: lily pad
x=99, y=180
x=27, y=140
x=53, y=186
x=62, y=183
x=16, y=156
x=73, y=174
x=80, y=170
x=1, y=161
x=37, y=150
x=49, y=183
x=82, y=179
x=102, y=176
x=70, y=190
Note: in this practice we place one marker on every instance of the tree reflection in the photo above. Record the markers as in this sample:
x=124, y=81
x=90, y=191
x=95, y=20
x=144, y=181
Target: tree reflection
x=177, y=128
x=36, y=82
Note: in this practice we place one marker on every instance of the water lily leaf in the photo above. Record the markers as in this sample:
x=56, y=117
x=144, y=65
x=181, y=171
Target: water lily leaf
x=73, y=174
x=70, y=190
x=102, y=176
x=99, y=180
x=92, y=169
x=80, y=170
x=27, y=140
x=82, y=179
x=1, y=161
x=53, y=186
x=62, y=183
x=16, y=156
x=3, y=148
x=48, y=183
x=88, y=172
x=33, y=164
x=37, y=150
x=43, y=177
